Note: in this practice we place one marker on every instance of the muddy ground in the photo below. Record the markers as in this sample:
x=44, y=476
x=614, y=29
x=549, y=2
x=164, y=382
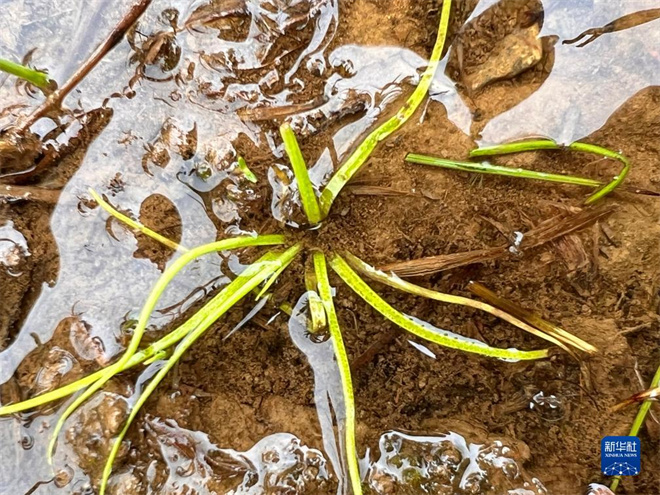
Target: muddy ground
x=601, y=284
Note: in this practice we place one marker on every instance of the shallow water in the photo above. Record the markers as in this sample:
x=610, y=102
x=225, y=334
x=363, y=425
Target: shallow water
x=448, y=464
x=587, y=84
x=178, y=137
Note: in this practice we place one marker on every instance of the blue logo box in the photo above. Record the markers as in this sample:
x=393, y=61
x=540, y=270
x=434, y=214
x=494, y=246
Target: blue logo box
x=620, y=456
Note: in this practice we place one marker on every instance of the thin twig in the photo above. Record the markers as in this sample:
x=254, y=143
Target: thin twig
x=54, y=101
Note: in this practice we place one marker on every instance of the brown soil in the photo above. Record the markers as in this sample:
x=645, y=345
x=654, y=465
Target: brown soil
x=601, y=284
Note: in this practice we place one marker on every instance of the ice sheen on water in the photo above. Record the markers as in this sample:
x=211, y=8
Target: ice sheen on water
x=448, y=465
x=13, y=248
x=587, y=84
x=191, y=463
x=328, y=397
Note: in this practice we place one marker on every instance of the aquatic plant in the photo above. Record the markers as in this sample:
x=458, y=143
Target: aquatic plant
x=265, y=271
x=245, y=170
x=54, y=100
x=647, y=398
x=307, y=194
x=362, y=153
x=603, y=189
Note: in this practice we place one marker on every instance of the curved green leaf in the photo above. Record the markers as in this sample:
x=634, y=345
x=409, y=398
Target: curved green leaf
x=393, y=281
x=148, y=308
x=362, y=153
x=488, y=168
x=325, y=293
x=134, y=224
x=307, y=194
x=254, y=275
x=548, y=144
x=437, y=336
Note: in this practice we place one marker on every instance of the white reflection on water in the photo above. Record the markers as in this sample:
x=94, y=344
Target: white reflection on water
x=587, y=84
